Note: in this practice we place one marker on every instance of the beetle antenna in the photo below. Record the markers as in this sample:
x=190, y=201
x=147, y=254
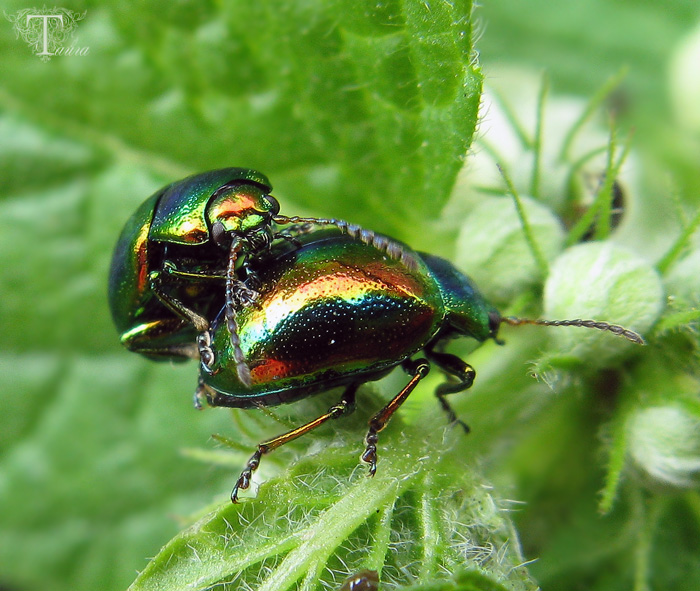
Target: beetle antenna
x=233, y=286
x=616, y=329
x=394, y=249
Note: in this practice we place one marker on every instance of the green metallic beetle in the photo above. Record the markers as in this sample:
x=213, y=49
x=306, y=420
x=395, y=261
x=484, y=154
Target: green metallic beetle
x=185, y=254
x=336, y=312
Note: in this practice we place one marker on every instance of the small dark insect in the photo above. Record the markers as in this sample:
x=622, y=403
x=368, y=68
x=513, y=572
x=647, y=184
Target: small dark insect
x=579, y=208
x=364, y=580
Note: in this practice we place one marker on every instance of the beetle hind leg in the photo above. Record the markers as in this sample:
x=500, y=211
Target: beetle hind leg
x=418, y=369
x=462, y=375
x=343, y=408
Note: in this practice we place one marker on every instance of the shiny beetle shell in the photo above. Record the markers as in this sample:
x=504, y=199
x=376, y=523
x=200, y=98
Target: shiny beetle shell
x=334, y=312
x=172, y=236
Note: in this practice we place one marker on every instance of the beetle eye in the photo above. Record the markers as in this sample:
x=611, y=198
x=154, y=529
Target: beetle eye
x=274, y=205
x=218, y=234
x=494, y=324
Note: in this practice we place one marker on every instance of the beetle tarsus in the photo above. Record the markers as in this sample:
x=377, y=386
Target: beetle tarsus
x=369, y=456
x=344, y=407
x=206, y=354
x=200, y=395
x=418, y=369
x=244, y=479
x=461, y=377
x=451, y=415
x=243, y=295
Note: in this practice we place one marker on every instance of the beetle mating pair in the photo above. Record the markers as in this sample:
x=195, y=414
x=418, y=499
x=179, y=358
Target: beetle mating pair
x=201, y=271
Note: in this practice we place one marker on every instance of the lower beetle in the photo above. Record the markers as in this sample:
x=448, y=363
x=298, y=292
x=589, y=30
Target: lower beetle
x=184, y=239
x=335, y=312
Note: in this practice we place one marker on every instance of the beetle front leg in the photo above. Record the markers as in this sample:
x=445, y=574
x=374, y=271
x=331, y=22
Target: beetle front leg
x=176, y=306
x=242, y=295
x=454, y=367
x=206, y=353
x=344, y=407
x=201, y=324
x=201, y=394
x=249, y=290
x=418, y=370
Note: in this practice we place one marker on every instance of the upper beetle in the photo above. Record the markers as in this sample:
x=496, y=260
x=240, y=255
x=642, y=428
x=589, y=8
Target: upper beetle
x=185, y=254
x=170, y=250
x=332, y=312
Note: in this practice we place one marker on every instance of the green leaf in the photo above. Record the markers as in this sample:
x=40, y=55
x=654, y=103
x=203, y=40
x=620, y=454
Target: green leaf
x=357, y=110
x=353, y=109
x=323, y=520
x=364, y=111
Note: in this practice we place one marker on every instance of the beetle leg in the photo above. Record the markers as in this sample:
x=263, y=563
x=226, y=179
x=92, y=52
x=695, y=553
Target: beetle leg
x=343, y=408
x=251, y=285
x=200, y=394
x=206, y=354
x=418, y=370
x=454, y=367
x=171, y=270
x=203, y=394
x=242, y=295
x=200, y=323
x=176, y=306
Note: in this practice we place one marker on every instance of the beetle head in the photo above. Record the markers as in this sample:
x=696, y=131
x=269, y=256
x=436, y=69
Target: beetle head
x=241, y=209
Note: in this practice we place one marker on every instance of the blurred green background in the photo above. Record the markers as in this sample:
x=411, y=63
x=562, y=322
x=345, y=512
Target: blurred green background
x=91, y=471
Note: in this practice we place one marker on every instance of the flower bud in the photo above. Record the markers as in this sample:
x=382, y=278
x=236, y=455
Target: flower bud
x=600, y=281
x=685, y=81
x=492, y=249
x=664, y=444
x=683, y=280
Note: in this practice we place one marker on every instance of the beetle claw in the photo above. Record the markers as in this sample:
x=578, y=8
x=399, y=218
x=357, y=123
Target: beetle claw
x=243, y=295
x=244, y=479
x=369, y=456
x=200, y=395
x=206, y=354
